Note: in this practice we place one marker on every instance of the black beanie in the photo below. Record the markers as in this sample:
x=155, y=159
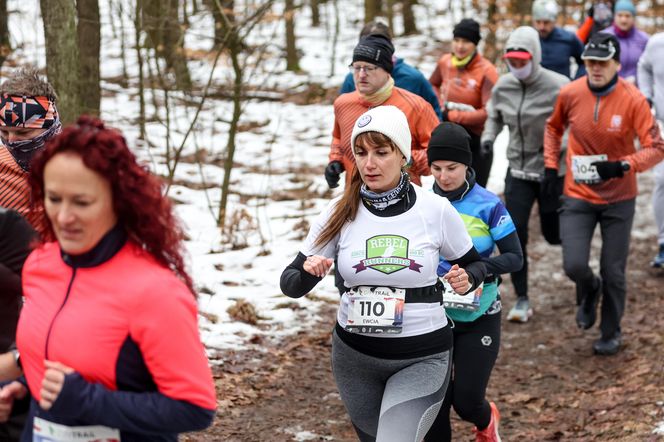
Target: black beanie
x=450, y=142
x=375, y=49
x=468, y=29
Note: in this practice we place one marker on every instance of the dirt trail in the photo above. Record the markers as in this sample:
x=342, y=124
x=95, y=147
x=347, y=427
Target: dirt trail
x=547, y=383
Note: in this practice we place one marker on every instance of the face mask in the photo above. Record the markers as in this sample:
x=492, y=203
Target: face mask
x=521, y=73
x=24, y=150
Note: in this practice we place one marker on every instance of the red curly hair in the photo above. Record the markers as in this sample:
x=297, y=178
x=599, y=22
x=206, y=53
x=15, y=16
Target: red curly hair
x=146, y=215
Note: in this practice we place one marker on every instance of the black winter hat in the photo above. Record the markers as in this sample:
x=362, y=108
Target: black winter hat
x=468, y=29
x=375, y=49
x=450, y=142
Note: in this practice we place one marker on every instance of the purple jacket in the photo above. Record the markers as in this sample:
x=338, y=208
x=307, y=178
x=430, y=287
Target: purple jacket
x=632, y=45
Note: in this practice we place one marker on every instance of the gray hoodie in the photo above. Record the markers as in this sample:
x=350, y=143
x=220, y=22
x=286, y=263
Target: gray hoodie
x=524, y=106
x=650, y=73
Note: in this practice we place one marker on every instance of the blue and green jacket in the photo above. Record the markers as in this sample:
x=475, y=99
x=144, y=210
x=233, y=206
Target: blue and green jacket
x=489, y=224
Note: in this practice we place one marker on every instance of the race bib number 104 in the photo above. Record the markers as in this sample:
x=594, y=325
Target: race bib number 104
x=375, y=310
x=583, y=170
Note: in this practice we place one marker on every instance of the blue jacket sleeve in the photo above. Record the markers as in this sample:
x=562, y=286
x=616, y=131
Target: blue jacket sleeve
x=426, y=92
x=578, y=50
x=135, y=412
x=349, y=84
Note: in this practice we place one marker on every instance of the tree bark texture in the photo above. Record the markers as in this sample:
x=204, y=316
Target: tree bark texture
x=62, y=56
x=160, y=18
x=220, y=25
x=5, y=48
x=372, y=9
x=89, y=40
x=292, y=58
x=409, y=24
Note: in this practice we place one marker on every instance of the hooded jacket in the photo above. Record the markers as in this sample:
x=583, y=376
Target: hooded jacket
x=524, y=106
x=651, y=73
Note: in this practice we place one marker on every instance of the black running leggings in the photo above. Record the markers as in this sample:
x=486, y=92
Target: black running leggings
x=475, y=351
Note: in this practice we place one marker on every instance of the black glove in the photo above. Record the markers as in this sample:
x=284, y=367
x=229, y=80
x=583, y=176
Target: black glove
x=591, y=11
x=486, y=148
x=332, y=172
x=550, y=183
x=649, y=100
x=609, y=169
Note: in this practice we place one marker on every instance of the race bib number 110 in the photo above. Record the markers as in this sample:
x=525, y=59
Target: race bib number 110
x=375, y=310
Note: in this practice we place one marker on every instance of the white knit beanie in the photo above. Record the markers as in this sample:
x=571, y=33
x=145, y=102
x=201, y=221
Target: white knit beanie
x=387, y=120
x=545, y=10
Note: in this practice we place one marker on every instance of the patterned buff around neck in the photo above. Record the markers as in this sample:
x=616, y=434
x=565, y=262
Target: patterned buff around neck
x=30, y=112
x=24, y=150
x=381, y=201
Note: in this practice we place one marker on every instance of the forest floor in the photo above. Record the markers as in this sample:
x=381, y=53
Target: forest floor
x=547, y=383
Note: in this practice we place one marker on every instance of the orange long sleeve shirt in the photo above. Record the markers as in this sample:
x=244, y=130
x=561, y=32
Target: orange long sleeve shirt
x=15, y=191
x=471, y=85
x=603, y=125
x=421, y=118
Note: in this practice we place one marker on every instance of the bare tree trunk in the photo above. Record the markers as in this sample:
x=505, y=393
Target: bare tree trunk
x=89, y=40
x=62, y=56
x=335, y=37
x=490, y=51
x=292, y=58
x=138, y=25
x=235, y=51
x=371, y=9
x=5, y=47
x=220, y=27
x=409, y=25
x=521, y=8
x=389, y=6
x=162, y=25
x=315, y=13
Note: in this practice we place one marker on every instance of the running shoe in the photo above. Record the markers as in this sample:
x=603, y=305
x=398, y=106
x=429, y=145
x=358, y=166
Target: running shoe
x=586, y=314
x=658, y=262
x=608, y=346
x=490, y=433
x=521, y=311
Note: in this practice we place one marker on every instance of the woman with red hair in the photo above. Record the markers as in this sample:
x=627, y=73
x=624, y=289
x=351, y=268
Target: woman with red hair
x=108, y=335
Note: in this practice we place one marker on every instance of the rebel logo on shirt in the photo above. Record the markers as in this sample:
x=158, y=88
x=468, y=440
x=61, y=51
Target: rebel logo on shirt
x=387, y=254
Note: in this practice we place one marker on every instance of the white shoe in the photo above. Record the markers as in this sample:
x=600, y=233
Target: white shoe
x=521, y=311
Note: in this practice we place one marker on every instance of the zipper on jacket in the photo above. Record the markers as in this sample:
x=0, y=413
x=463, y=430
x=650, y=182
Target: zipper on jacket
x=596, y=113
x=518, y=120
x=50, y=327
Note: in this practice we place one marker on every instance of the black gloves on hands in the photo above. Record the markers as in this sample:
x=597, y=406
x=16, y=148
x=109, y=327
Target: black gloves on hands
x=486, y=148
x=609, y=169
x=550, y=183
x=332, y=172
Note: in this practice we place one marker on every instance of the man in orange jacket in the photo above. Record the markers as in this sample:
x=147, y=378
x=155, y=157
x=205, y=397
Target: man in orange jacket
x=371, y=68
x=604, y=113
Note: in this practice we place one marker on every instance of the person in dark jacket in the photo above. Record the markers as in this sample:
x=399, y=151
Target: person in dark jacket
x=559, y=46
x=405, y=76
x=16, y=235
